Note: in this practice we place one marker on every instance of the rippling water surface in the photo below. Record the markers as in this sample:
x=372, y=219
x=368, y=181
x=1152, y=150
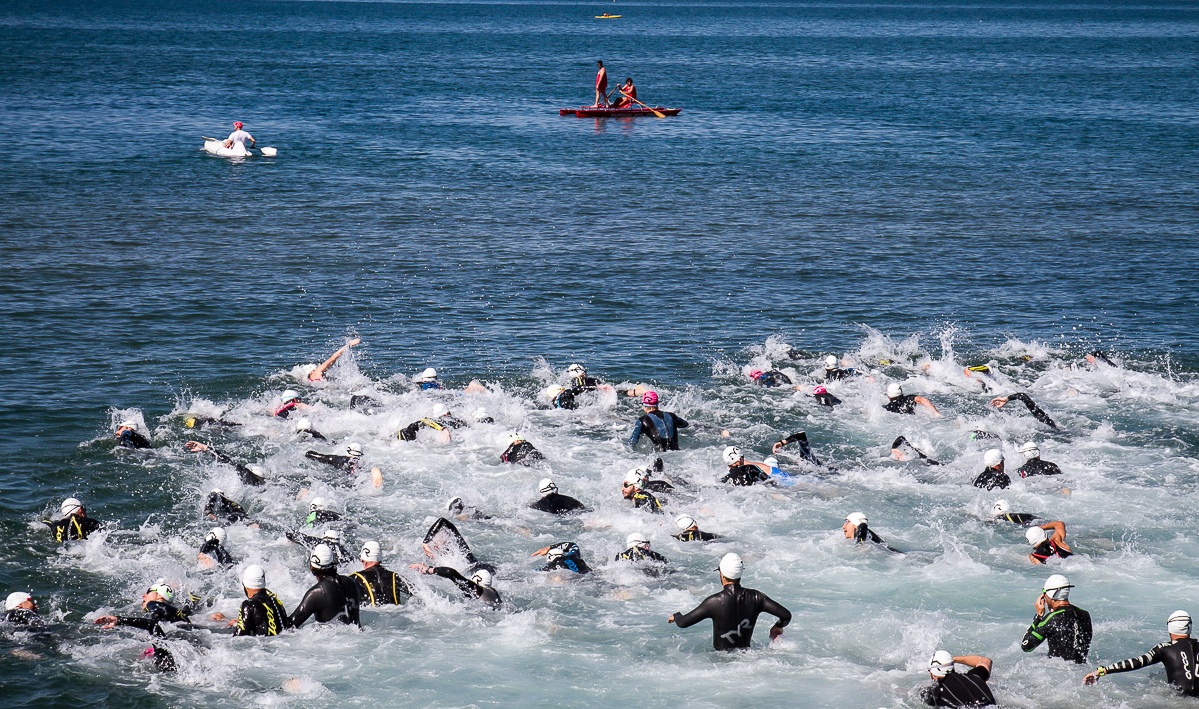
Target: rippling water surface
x=931, y=184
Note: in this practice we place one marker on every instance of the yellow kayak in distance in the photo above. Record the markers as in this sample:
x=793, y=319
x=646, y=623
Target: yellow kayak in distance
x=606, y=16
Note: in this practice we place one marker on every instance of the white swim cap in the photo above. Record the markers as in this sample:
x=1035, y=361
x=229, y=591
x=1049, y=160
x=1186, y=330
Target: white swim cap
x=555, y=552
x=636, y=476
x=993, y=458
x=482, y=577
x=684, y=522
x=481, y=413
x=546, y=486
x=576, y=370
x=1035, y=535
x=217, y=491
x=69, y=506
x=371, y=552
x=303, y=424
x=440, y=410
x=856, y=518
x=894, y=390
x=288, y=395
x=771, y=461
x=257, y=470
x=16, y=598
x=427, y=376
x=732, y=454
x=1057, y=587
x=552, y=391
x=830, y=362
x=254, y=577
x=1179, y=623
x=636, y=539
x=1000, y=508
x=941, y=664
x=731, y=566
x=162, y=588
x=1030, y=450
x=322, y=558
x=127, y=423
x=316, y=503
x=515, y=438
x=332, y=535
x=218, y=534
x=354, y=450
x=455, y=505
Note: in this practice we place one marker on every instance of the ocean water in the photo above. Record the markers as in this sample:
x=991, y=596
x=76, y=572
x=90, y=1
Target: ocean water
x=935, y=184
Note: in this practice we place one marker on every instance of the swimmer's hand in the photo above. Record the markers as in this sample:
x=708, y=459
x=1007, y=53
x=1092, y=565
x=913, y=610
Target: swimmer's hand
x=541, y=552
x=775, y=633
x=422, y=568
x=671, y=618
x=999, y=401
x=353, y=342
x=1093, y=677
x=195, y=447
x=106, y=622
x=219, y=617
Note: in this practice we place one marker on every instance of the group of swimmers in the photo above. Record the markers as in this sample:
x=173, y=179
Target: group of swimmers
x=734, y=610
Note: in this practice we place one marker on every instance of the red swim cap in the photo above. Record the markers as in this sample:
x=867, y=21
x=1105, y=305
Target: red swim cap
x=237, y=125
x=650, y=398
x=820, y=390
x=755, y=374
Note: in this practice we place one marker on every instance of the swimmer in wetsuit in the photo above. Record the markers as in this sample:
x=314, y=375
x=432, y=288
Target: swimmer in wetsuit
x=289, y=403
x=521, y=451
x=637, y=549
x=478, y=586
x=1002, y=511
x=953, y=689
x=378, y=586
x=128, y=437
x=992, y=476
x=442, y=536
x=74, y=522
x=554, y=502
x=642, y=499
x=579, y=381
x=1179, y=655
x=832, y=372
x=20, y=609
x=441, y=420
x=900, y=403
x=1045, y=546
x=156, y=601
x=563, y=556
x=856, y=527
x=561, y=397
x=427, y=380
x=900, y=447
x=662, y=427
x=304, y=426
x=463, y=512
x=689, y=530
x=319, y=513
x=333, y=597
x=330, y=538
x=218, y=507
x=248, y=474
x=734, y=610
x=212, y=551
x=347, y=463
x=822, y=397
x=1033, y=465
x=261, y=614
x=770, y=378
x=805, y=448
x=999, y=402
x=1066, y=627
x=741, y=471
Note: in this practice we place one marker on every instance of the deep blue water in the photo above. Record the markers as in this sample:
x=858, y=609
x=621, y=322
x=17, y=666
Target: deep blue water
x=1013, y=169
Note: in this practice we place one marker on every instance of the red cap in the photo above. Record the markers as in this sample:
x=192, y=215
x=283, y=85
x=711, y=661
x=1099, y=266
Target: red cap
x=237, y=125
x=755, y=374
x=820, y=390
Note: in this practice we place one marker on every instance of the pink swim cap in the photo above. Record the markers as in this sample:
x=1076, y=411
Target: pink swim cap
x=820, y=390
x=650, y=398
x=237, y=125
x=755, y=374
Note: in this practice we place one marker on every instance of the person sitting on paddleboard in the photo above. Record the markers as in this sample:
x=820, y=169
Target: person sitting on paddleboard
x=601, y=85
x=238, y=137
x=628, y=94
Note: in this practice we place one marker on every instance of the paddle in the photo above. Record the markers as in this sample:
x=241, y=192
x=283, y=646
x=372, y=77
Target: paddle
x=656, y=112
x=266, y=152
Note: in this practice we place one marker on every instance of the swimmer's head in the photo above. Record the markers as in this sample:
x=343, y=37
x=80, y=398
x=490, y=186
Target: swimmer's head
x=332, y=536
x=257, y=470
x=127, y=423
x=17, y=598
x=636, y=477
x=371, y=552
x=1057, y=587
x=731, y=567
x=993, y=458
x=857, y=519
x=684, y=522
x=894, y=390
x=819, y=390
x=1179, y=623
x=732, y=455
x=1030, y=450
x=429, y=375
x=253, y=577
x=217, y=535
x=1035, y=536
x=163, y=589
x=317, y=503
x=636, y=539
x=481, y=414
x=771, y=461
x=830, y=362
x=1000, y=508
x=552, y=391
x=303, y=424
x=455, y=506
x=941, y=664
x=546, y=486
x=289, y=395
x=576, y=370
x=322, y=558
x=649, y=398
x=755, y=373
x=237, y=125
x=482, y=577
x=69, y=507
x=353, y=450
x=555, y=552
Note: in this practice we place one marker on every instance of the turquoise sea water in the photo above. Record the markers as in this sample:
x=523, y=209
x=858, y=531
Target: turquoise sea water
x=934, y=183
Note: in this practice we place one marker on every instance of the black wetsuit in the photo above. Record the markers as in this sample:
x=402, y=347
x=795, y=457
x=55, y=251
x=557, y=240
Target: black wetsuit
x=645, y=500
x=73, y=527
x=1048, y=548
x=444, y=529
x=1036, y=466
x=521, y=452
x=441, y=423
x=319, y=517
x=694, y=535
x=905, y=404
x=558, y=504
x=1017, y=517
x=901, y=442
x=261, y=614
x=773, y=378
x=163, y=659
x=132, y=439
x=734, y=613
x=837, y=373
x=863, y=533
x=571, y=559
x=362, y=401
x=332, y=598
x=344, y=463
x=1068, y=631
x=662, y=427
x=247, y=476
x=742, y=475
x=956, y=689
x=340, y=553
x=639, y=554
x=1180, y=659
x=213, y=548
x=24, y=617
x=584, y=384
x=657, y=486
x=469, y=588
x=378, y=586
x=220, y=507
x=565, y=400
x=826, y=399
x=1035, y=410
x=202, y=422
x=990, y=478
x=315, y=435
x=805, y=448
x=158, y=613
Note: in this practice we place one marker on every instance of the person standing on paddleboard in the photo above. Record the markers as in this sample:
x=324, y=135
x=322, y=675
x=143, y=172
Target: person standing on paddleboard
x=601, y=85
x=238, y=137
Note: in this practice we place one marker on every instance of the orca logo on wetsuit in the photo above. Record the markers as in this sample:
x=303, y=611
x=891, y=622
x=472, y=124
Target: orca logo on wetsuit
x=743, y=625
